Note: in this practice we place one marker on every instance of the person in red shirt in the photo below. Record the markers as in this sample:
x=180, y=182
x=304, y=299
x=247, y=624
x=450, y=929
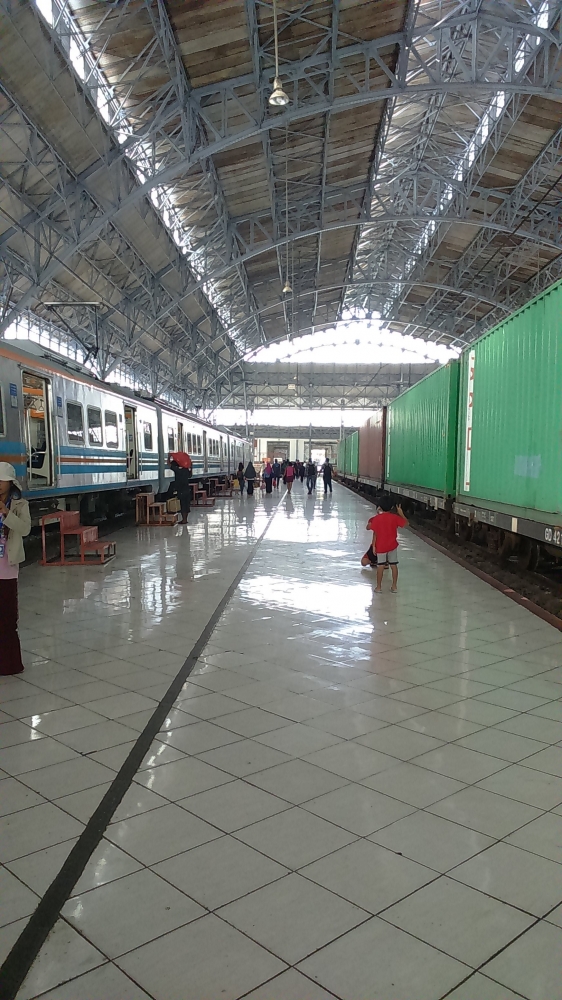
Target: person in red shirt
x=384, y=526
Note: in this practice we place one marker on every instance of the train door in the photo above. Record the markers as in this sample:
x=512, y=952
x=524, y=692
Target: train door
x=181, y=438
x=131, y=438
x=221, y=454
x=38, y=431
x=205, y=453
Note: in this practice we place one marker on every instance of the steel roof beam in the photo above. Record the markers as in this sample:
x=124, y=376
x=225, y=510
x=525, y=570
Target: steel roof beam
x=232, y=112
x=532, y=61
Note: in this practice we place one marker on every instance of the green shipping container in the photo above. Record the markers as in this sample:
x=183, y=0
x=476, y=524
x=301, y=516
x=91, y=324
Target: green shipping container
x=510, y=413
x=421, y=433
x=341, y=457
x=352, y=455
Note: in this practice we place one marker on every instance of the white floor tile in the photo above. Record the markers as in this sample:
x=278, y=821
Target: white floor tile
x=219, y=872
x=292, y=917
x=414, y=785
x=515, y=876
x=14, y=795
x=16, y=733
x=289, y=985
x=296, y=781
x=482, y=988
x=351, y=760
x=105, y=983
x=459, y=763
x=526, y=785
x=359, y=809
x=244, y=757
x=294, y=838
x=399, y=742
x=532, y=965
x=37, y=754
x=64, y=955
x=33, y=829
x=16, y=900
x=368, y=875
x=464, y=923
x=487, y=812
x=67, y=777
x=123, y=915
x=378, y=960
x=543, y=836
x=182, y=777
x=159, y=834
x=221, y=962
x=431, y=841
x=234, y=805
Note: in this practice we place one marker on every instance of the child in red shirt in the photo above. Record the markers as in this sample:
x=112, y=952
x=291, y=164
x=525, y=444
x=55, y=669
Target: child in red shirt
x=384, y=526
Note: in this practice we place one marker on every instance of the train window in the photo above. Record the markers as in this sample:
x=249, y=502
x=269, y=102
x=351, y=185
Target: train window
x=199, y=448
x=95, y=435
x=147, y=433
x=111, y=432
x=75, y=423
x=2, y=417
x=189, y=445
x=171, y=439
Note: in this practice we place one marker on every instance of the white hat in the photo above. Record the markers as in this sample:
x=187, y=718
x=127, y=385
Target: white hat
x=7, y=472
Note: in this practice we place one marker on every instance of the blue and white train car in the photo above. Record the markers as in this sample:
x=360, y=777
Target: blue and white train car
x=75, y=441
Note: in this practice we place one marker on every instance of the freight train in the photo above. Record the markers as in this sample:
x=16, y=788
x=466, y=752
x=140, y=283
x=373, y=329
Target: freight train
x=79, y=443
x=479, y=441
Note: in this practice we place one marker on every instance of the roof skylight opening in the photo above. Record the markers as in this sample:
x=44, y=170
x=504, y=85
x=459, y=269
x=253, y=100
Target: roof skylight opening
x=359, y=342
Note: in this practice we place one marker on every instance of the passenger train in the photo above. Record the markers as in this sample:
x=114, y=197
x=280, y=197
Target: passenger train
x=77, y=442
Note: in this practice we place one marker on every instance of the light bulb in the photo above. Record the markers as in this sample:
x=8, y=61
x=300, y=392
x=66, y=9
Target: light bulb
x=287, y=288
x=278, y=98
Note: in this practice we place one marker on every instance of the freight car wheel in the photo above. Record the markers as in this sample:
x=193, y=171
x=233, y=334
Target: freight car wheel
x=465, y=530
x=451, y=528
x=528, y=554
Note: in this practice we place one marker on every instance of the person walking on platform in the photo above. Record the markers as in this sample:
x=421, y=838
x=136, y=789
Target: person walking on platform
x=327, y=476
x=311, y=473
x=240, y=477
x=289, y=476
x=181, y=484
x=250, y=476
x=276, y=474
x=268, y=477
x=384, y=526
x=15, y=523
x=301, y=471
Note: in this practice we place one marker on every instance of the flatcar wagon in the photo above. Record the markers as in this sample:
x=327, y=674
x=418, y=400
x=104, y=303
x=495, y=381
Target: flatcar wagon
x=78, y=442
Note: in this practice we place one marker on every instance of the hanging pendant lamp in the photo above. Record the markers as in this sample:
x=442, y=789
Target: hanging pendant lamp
x=287, y=290
x=278, y=98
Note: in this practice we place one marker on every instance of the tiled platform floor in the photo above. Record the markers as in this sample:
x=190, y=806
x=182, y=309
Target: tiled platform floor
x=356, y=796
